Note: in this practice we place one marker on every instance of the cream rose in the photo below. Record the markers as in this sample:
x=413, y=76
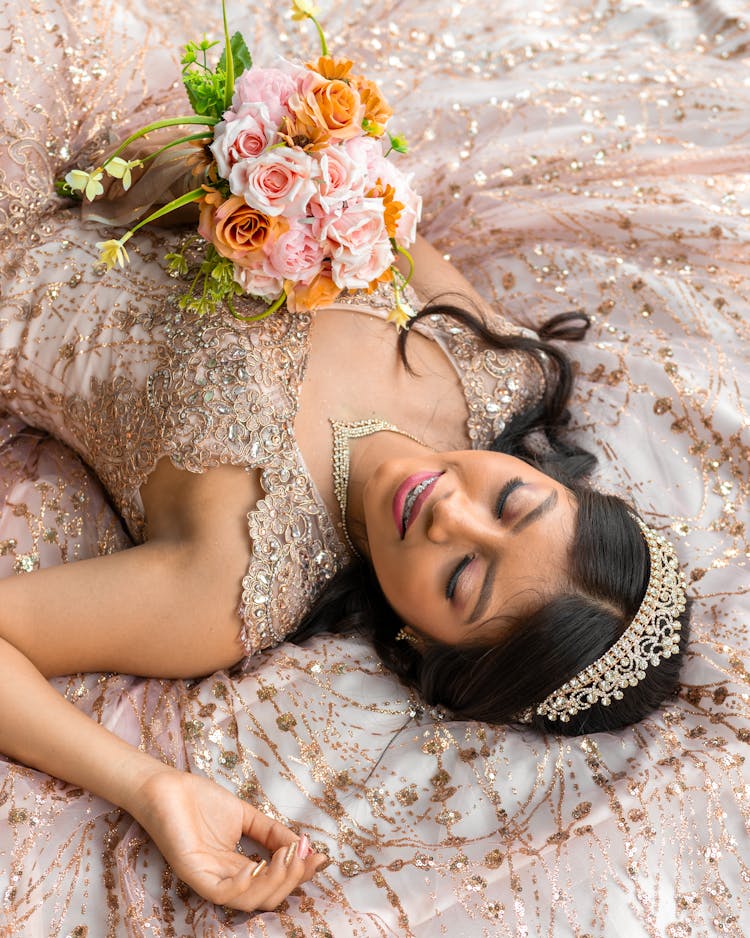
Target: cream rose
x=341, y=179
x=279, y=182
x=254, y=279
x=406, y=228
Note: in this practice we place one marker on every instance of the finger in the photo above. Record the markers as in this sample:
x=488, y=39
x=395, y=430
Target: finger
x=238, y=890
x=287, y=870
x=264, y=830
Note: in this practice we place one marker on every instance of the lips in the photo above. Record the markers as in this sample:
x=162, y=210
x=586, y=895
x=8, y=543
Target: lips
x=409, y=498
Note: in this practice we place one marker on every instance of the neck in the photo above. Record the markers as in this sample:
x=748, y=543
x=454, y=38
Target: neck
x=365, y=456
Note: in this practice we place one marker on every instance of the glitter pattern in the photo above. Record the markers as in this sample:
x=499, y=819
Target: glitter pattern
x=573, y=155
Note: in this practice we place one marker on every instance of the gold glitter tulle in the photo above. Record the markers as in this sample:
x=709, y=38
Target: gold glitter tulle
x=574, y=155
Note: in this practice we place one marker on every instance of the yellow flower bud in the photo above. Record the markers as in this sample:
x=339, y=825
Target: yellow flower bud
x=302, y=9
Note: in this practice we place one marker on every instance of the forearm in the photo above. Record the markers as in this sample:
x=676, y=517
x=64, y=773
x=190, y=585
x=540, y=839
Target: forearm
x=40, y=728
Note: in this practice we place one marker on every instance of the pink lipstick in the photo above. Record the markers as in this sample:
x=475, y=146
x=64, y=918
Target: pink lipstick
x=409, y=498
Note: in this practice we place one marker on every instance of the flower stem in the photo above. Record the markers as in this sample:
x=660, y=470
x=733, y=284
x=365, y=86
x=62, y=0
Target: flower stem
x=321, y=34
x=175, y=143
x=277, y=303
x=410, y=259
x=185, y=199
x=229, y=59
x=157, y=125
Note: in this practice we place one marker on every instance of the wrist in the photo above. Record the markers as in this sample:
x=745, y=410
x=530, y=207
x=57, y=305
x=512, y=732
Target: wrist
x=135, y=781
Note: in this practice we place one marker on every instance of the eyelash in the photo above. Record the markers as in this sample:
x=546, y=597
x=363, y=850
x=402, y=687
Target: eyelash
x=505, y=492
x=510, y=486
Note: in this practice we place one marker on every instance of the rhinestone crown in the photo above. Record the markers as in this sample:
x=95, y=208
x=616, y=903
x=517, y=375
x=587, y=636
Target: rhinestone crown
x=653, y=634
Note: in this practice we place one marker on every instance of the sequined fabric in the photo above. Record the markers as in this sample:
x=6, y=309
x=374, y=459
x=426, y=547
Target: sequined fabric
x=571, y=155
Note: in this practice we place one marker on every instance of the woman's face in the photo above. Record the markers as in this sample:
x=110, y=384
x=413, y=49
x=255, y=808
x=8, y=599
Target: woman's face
x=461, y=540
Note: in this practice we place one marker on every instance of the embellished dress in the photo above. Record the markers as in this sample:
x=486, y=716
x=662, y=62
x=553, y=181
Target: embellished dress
x=108, y=364
x=573, y=155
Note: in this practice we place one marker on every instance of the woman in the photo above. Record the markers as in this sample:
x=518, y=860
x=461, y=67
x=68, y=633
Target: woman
x=190, y=424
x=203, y=419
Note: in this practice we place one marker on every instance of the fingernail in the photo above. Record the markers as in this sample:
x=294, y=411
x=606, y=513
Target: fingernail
x=323, y=865
x=303, y=847
x=291, y=850
x=258, y=869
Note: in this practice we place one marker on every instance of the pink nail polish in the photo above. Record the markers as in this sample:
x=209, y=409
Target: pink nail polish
x=303, y=847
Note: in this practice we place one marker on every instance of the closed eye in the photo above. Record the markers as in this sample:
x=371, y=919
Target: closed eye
x=510, y=486
x=450, y=588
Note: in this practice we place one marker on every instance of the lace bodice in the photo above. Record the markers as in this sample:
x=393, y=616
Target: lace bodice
x=129, y=386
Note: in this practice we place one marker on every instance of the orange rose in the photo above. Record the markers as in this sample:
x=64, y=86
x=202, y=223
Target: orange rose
x=377, y=111
x=334, y=106
x=319, y=292
x=234, y=229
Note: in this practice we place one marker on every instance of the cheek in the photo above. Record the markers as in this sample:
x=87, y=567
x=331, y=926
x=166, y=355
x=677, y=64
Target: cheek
x=408, y=589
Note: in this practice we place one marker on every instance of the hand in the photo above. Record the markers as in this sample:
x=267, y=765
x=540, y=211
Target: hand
x=197, y=825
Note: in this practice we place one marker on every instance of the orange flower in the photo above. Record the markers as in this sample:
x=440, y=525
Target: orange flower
x=385, y=277
x=234, y=229
x=201, y=159
x=377, y=112
x=301, y=130
x=334, y=106
x=391, y=208
x=319, y=292
x=331, y=68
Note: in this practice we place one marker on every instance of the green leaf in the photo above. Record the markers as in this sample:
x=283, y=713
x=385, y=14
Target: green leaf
x=240, y=53
x=205, y=91
x=207, y=44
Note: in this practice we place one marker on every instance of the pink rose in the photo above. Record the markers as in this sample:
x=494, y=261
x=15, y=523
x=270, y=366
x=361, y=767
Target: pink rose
x=359, y=243
x=341, y=179
x=296, y=254
x=244, y=137
x=406, y=227
x=278, y=182
x=365, y=151
x=357, y=271
x=269, y=86
x=355, y=228
x=253, y=279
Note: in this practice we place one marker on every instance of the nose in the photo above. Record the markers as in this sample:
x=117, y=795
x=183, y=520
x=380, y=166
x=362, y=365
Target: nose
x=459, y=520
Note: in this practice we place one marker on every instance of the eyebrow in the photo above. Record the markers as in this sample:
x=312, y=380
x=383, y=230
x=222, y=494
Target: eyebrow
x=535, y=514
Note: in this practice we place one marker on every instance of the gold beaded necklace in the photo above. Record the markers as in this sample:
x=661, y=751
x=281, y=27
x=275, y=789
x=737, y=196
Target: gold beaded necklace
x=343, y=434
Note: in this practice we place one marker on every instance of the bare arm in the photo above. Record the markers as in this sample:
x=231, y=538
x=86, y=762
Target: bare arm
x=163, y=609
x=54, y=615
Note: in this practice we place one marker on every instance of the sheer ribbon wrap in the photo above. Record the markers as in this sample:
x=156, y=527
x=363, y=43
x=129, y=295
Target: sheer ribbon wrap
x=162, y=178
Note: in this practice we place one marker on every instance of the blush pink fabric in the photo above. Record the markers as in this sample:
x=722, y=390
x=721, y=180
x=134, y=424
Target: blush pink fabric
x=572, y=155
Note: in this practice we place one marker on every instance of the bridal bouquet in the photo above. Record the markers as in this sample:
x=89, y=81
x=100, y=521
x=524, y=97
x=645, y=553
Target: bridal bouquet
x=298, y=199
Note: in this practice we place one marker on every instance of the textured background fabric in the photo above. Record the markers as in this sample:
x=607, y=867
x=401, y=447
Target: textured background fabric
x=574, y=155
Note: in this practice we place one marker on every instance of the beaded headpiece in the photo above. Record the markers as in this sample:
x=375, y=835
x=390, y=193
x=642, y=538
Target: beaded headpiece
x=653, y=634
